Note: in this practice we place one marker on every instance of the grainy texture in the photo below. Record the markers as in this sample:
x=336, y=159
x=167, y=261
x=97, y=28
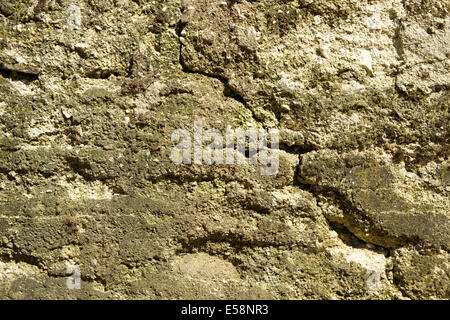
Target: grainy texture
x=88, y=103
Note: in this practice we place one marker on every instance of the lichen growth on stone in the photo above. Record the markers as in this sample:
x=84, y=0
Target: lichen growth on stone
x=358, y=89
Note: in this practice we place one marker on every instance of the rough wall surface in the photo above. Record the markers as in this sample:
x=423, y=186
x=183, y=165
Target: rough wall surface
x=91, y=91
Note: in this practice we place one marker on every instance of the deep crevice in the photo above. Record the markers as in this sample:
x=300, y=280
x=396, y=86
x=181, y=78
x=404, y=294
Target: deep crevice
x=18, y=73
x=228, y=90
x=342, y=228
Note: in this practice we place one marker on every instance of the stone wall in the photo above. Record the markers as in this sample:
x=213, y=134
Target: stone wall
x=93, y=207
